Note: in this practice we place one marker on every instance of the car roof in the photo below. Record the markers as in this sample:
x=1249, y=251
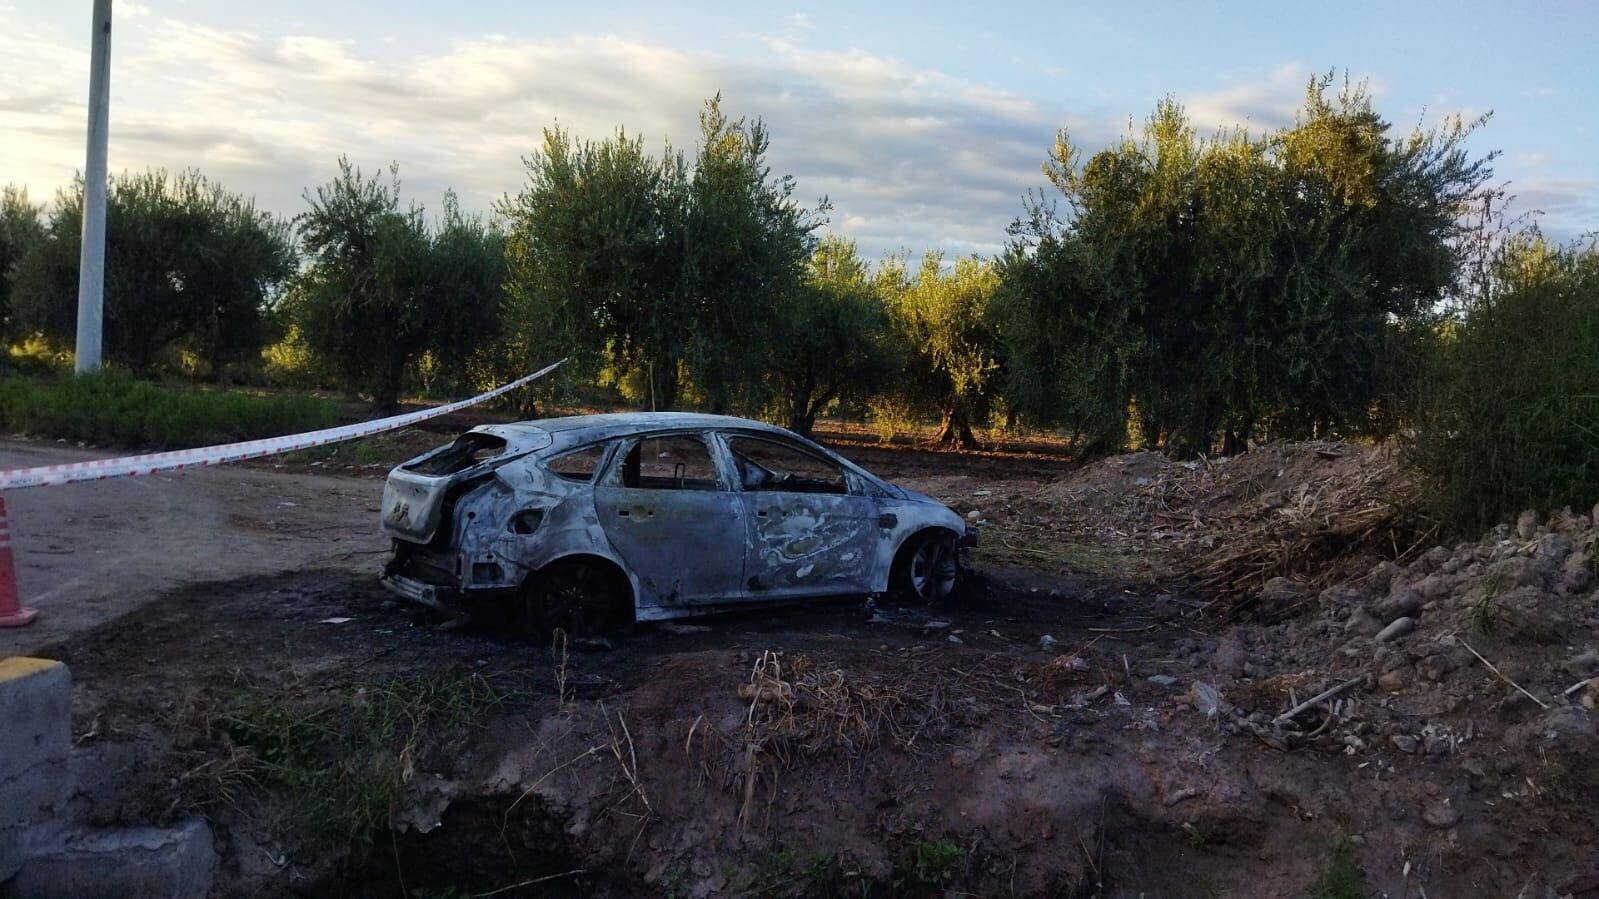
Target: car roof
x=555, y=435
x=583, y=428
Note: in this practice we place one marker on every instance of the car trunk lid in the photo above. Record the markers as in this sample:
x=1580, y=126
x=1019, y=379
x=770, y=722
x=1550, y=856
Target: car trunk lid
x=418, y=493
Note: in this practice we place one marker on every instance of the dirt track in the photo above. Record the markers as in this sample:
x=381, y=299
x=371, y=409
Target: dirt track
x=92, y=551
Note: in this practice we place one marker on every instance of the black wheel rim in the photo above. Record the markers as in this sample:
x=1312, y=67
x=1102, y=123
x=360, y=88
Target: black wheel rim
x=576, y=600
x=932, y=570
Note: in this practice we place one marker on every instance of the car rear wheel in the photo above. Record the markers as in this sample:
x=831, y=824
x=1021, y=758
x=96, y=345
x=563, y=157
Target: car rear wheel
x=927, y=567
x=576, y=597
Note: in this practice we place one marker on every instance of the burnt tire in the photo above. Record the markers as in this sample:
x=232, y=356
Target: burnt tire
x=577, y=597
x=926, y=568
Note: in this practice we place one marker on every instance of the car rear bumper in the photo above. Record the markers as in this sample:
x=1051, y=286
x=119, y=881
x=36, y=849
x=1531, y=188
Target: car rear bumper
x=433, y=596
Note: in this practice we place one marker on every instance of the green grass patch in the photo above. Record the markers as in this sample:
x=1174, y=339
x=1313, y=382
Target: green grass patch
x=927, y=865
x=1343, y=879
x=327, y=766
x=380, y=450
x=114, y=408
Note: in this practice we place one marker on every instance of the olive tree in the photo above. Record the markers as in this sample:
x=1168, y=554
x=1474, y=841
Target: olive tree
x=381, y=287
x=829, y=339
x=644, y=262
x=1209, y=291
x=950, y=345
x=595, y=256
x=21, y=230
x=188, y=266
x=746, y=244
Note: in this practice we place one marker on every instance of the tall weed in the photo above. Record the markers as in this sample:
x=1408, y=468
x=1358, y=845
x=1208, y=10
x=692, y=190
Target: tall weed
x=115, y=408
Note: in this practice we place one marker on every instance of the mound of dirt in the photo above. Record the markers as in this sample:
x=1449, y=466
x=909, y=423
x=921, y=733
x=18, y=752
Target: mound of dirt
x=1479, y=662
x=1315, y=511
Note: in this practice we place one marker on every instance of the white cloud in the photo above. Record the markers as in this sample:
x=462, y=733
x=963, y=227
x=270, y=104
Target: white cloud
x=1269, y=100
x=1261, y=103
x=909, y=157
x=1564, y=208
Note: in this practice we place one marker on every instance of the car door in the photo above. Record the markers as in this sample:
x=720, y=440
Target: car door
x=669, y=511
x=811, y=531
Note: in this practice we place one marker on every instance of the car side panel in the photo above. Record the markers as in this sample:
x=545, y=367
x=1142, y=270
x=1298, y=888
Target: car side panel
x=809, y=543
x=685, y=547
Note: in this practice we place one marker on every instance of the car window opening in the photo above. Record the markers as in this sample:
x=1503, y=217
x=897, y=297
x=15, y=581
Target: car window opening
x=764, y=465
x=472, y=448
x=669, y=463
x=578, y=465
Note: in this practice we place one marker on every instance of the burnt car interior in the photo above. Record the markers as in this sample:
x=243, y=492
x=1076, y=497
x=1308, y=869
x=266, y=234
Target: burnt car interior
x=669, y=463
x=764, y=465
x=578, y=465
x=468, y=450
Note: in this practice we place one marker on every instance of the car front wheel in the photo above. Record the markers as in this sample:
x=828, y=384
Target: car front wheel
x=927, y=567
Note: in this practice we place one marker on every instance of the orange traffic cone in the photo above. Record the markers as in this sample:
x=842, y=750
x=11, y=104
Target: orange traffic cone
x=12, y=612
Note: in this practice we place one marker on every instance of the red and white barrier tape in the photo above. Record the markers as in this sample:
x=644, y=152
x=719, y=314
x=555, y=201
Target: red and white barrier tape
x=130, y=466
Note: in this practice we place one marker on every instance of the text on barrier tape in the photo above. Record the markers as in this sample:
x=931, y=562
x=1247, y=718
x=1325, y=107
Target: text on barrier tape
x=130, y=466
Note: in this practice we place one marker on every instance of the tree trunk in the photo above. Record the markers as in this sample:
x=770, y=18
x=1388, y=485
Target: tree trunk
x=801, y=415
x=663, y=385
x=956, y=429
x=386, y=389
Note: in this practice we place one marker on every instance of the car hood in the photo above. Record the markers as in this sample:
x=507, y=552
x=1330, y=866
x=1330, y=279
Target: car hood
x=915, y=497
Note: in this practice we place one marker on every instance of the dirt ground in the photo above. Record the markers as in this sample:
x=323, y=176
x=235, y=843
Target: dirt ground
x=91, y=551
x=1081, y=723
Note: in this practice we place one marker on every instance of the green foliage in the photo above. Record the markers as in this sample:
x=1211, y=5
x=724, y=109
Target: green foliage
x=1205, y=291
x=381, y=289
x=950, y=345
x=338, y=762
x=595, y=253
x=1343, y=879
x=21, y=230
x=189, y=267
x=925, y=864
x=115, y=408
x=747, y=244
x=635, y=262
x=467, y=273
x=1508, y=414
x=830, y=339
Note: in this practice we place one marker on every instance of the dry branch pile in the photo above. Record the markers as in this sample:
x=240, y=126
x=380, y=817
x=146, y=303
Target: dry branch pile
x=798, y=709
x=1307, y=511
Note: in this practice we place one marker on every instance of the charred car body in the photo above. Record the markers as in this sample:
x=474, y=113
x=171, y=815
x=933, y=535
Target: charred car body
x=648, y=516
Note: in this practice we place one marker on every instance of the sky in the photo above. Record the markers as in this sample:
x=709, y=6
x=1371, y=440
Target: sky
x=925, y=124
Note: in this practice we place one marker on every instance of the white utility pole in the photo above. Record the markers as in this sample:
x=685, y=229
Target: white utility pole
x=91, y=262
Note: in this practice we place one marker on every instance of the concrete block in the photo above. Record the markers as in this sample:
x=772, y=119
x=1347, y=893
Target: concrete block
x=35, y=744
x=35, y=714
x=123, y=863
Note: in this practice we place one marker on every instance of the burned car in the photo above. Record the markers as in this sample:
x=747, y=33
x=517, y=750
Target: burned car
x=585, y=521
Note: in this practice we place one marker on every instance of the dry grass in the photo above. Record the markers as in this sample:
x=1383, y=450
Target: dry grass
x=1315, y=511
x=798, y=709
